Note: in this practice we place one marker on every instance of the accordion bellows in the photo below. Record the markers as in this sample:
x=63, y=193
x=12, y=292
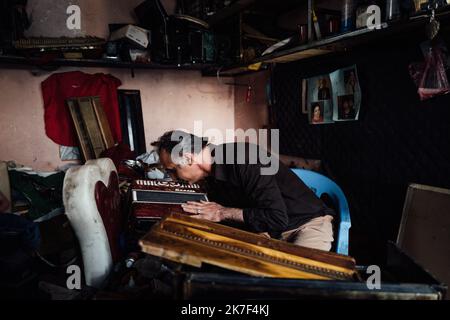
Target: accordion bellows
x=195, y=242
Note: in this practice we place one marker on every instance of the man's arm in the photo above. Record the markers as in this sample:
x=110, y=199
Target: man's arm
x=267, y=214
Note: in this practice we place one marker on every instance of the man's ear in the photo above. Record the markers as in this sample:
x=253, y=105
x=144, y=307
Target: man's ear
x=189, y=157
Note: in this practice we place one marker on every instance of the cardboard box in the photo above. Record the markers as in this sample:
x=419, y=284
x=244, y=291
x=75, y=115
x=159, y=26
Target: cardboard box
x=134, y=34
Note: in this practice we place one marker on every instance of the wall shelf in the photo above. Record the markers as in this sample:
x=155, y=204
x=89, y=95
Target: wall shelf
x=326, y=46
x=229, y=11
x=25, y=62
x=253, y=5
x=335, y=44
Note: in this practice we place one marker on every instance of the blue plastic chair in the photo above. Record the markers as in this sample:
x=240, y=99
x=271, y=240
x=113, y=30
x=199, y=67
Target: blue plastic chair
x=320, y=185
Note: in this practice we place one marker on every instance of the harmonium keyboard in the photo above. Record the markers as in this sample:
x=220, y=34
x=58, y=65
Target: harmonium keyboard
x=153, y=199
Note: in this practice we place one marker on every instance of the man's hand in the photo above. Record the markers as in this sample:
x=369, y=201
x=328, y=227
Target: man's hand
x=204, y=210
x=213, y=211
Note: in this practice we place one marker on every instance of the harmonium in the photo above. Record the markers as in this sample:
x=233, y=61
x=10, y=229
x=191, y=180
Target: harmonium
x=153, y=199
x=215, y=261
x=67, y=47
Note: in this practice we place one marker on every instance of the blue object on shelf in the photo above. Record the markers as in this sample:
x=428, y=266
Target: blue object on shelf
x=321, y=184
x=347, y=16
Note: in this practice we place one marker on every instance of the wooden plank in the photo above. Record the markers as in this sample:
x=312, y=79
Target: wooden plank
x=92, y=126
x=425, y=224
x=80, y=128
x=5, y=187
x=193, y=241
x=247, y=246
x=185, y=252
x=300, y=55
x=103, y=123
x=252, y=238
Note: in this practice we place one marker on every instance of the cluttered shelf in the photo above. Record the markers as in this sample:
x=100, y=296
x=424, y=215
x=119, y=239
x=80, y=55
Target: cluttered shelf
x=239, y=6
x=312, y=49
x=338, y=43
x=60, y=52
x=20, y=61
x=229, y=11
x=324, y=46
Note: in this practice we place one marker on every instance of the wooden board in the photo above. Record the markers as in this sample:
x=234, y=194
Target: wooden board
x=299, y=55
x=80, y=128
x=103, y=122
x=194, y=242
x=425, y=229
x=5, y=187
x=91, y=125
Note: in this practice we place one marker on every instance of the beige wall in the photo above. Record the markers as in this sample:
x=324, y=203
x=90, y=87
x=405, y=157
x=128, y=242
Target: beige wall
x=253, y=114
x=49, y=16
x=170, y=100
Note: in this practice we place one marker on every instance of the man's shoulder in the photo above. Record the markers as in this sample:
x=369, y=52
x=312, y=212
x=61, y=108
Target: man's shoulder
x=236, y=144
x=239, y=153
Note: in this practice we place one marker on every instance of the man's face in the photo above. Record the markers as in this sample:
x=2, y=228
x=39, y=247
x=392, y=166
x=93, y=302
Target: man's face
x=191, y=172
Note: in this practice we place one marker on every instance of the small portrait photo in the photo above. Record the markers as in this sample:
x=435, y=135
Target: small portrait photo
x=350, y=81
x=323, y=89
x=346, y=107
x=317, y=110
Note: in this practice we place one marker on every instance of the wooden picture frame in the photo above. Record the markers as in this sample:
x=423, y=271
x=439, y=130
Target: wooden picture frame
x=91, y=125
x=304, y=89
x=131, y=120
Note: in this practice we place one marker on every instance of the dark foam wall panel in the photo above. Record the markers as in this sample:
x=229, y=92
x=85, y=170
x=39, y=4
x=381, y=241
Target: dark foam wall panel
x=397, y=140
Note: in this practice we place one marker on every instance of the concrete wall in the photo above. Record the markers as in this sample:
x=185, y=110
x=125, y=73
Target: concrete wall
x=252, y=114
x=170, y=99
x=49, y=17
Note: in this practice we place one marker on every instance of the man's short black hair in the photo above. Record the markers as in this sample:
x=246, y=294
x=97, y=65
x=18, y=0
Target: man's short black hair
x=188, y=142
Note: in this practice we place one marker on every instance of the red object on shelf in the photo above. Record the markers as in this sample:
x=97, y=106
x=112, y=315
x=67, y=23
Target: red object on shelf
x=248, y=98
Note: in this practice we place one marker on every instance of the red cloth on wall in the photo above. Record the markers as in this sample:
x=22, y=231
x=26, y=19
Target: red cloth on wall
x=61, y=86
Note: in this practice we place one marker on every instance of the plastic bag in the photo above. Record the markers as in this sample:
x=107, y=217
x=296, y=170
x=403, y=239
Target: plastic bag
x=430, y=76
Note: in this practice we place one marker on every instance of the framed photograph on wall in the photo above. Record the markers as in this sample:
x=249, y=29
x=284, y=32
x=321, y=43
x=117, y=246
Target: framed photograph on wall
x=317, y=111
x=346, y=95
x=333, y=97
x=346, y=110
x=319, y=100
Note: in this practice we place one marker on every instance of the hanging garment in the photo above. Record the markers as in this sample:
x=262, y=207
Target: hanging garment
x=61, y=86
